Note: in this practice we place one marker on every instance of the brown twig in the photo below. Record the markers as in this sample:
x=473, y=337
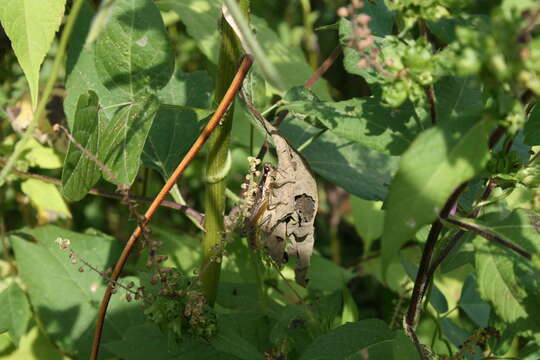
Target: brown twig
x=114, y=195
x=195, y=148
x=489, y=236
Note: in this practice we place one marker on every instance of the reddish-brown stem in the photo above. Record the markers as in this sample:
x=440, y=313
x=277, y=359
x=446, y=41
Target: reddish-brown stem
x=195, y=148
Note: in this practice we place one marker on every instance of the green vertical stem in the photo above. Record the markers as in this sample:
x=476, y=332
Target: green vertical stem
x=216, y=163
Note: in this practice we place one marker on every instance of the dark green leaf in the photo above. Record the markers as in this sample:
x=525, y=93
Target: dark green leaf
x=133, y=52
x=240, y=334
x=81, y=71
x=65, y=299
x=532, y=127
x=80, y=172
x=324, y=275
x=473, y=305
x=14, y=312
x=124, y=138
x=438, y=161
x=365, y=121
x=176, y=126
x=361, y=171
x=458, y=98
x=497, y=281
x=382, y=19
x=348, y=339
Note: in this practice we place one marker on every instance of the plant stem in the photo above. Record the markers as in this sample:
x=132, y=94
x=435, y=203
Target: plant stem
x=214, y=196
x=193, y=151
x=58, y=62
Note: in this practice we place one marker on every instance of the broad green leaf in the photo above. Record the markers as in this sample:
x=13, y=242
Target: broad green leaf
x=239, y=334
x=324, y=275
x=361, y=171
x=45, y=197
x=176, y=126
x=438, y=161
x=473, y=305
x=532, y=127
x=154, y=346
x=65, y=299
x=201, y=20
x=290, y=327
x=364, y=121
x=401, y=347
x=80, y=172
x=382, y=19
x=124, y=137
x=348, y=339
x=368, y=220
x=458, y=98
x=31, y=25
x=133, y=51
x=82, y=74
x=14, y=312
x=497, y=281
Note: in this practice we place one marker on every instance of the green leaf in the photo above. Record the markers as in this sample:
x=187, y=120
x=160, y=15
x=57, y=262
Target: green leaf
x=497, y=281
x=200, y=18
x=361, y=171
x=438, y=161
x=65, y=299
x=80, y=172
x=154, y=346
x=34, y=345
x=176, y=126
x=40, y=156
x=364, y=121
x=348, y=339
x=473, y=305
x=45, y=197
x=31, y=25
x=238, y=335
x=82, y=74
x=382, y=19
x=133, y=52
x=124, y=138
x=458, y=98
x=14, y=312
x=368, y=220
x=532, y=127
x=324, y=275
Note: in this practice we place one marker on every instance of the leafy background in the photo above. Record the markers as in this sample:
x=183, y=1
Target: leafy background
x=138, y=85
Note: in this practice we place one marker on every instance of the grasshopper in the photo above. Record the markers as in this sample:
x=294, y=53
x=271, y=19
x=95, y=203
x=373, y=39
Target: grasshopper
x=286, y=205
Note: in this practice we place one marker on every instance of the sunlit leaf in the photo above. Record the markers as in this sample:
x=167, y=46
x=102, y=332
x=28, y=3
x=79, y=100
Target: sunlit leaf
x=14, y=312
x=31, y=25
x=439, y=160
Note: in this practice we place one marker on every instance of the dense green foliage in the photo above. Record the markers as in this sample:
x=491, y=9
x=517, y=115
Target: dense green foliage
x=423, y=136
